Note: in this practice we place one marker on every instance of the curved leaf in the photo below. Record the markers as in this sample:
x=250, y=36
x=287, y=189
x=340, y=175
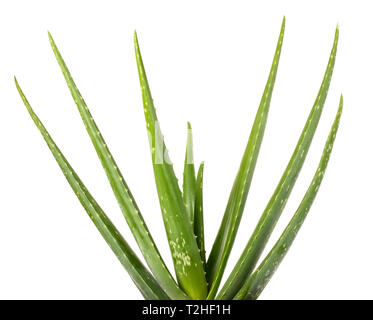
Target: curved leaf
x=228, y=229
x=124, y=197
x=274, y=208
x=255, y=284
x=148, y=286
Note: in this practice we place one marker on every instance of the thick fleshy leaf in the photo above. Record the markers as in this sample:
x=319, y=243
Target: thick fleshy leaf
x=228, y=229
x=124, y=197
x=273, y=210
x=186, y=257
x=189, y=177
x=198, y=215
x=255, y=283
x=148, y=286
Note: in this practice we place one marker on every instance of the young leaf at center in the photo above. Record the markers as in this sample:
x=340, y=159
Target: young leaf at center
x=189, y=177
x=186, y=257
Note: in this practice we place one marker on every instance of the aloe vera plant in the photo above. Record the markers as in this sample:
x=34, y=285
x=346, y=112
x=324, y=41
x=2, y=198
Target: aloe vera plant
x=197, y=277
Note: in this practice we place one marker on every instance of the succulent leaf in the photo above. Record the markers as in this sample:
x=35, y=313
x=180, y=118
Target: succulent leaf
x=274, y=208
x=198, y=215
x=228, y=229
x=121, y=191
x=182, y=209
x=186, y=257
x=145, y=282
x=255, y=283
x=189, y=177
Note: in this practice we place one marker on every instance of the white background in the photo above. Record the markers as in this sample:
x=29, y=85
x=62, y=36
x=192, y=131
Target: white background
x=207, y=62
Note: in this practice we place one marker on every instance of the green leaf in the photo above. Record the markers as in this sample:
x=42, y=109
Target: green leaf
x=255, y=284
x=148, y=286
x=189, y=177
x=237, y=199
x=198, y=216
x=183, y=245
x=124, y=197
x=272, y=212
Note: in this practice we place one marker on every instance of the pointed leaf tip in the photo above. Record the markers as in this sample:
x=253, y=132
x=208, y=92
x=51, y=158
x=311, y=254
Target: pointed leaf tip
x=50, y=37
x=135, y=39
